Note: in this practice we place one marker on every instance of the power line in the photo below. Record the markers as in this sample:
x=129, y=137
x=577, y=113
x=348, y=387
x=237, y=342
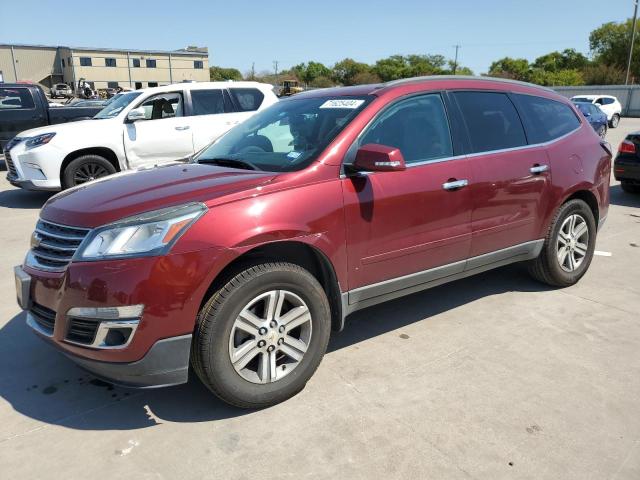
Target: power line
x=633, y=38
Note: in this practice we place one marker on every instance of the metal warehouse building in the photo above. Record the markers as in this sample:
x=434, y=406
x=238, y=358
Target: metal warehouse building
x=102, y=68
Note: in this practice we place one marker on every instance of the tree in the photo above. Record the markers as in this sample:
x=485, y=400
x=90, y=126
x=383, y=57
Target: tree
x=221, y=74
x=365, y=78
x=507, y=67
x=346, y=71
x=568, y=59
x=601, y=74
x=308, y=72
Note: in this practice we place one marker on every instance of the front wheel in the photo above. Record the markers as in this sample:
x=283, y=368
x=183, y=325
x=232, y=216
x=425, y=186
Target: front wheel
x=568, y=248
x=262, y=335
x=615, y=120
x=86, y=168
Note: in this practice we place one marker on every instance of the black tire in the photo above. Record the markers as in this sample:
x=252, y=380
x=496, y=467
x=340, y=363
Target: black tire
x=210, y=348
x=546, y=268
x=615, y=121
x=630, y=187
x=602, y=131
x=79, y=171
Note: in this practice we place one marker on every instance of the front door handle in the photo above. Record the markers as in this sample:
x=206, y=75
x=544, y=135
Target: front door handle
x=455, y=184
x=538, y=169
x=186, y=127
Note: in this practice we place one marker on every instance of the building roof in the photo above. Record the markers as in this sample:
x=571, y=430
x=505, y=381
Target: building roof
x=199, y=51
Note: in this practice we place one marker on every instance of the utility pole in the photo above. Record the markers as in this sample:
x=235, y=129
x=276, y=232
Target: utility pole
x=455, y=61
x=275, y=67
x=253, y=70
x=633, y=38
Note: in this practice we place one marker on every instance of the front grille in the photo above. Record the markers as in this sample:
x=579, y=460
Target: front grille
x=45, y=317
x=82, y=330
x=10, y=166
x=53, y=245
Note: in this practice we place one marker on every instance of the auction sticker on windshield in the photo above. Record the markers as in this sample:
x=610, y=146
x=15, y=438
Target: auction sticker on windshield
x=342, y=103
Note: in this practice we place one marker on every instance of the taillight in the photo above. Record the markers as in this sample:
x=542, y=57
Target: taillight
x=627, y=147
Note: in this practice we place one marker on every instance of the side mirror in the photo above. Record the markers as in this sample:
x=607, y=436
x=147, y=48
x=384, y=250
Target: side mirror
x=378, y=158
x=136, y=114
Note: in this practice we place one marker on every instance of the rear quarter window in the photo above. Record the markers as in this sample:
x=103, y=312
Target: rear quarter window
x=248, y=99
x=492, y=121
x=546, y=119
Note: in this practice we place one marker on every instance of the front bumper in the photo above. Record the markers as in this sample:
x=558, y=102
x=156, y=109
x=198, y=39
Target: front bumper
x=166, y=363
x=35, y=169
x=170, y=287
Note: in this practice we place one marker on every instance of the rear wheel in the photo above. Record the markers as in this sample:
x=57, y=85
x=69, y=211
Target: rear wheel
x=615, y=120
x=262, y=335
x=630, y=187
x=568, y=248
x=86, y=168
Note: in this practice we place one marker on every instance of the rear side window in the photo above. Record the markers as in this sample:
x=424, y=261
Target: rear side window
x=492, y=121
x=607, y=101
x=207, y=102
x=417, y=126
x=546, y=119
x=248, y=99
x=16, y=99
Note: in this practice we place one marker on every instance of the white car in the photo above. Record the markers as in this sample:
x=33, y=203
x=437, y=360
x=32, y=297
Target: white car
x=607, y=103
x=138, y=129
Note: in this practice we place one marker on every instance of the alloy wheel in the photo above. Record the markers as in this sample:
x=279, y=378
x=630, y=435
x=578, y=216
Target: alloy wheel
x=89, y=171
x=270, y=336
x=573, y=242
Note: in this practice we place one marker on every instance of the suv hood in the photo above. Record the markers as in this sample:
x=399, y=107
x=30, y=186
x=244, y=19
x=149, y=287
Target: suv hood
x=132, y=192
x=66, y=127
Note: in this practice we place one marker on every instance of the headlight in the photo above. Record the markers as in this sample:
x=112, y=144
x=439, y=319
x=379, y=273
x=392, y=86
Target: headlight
x=151, y=233
x=38, y=140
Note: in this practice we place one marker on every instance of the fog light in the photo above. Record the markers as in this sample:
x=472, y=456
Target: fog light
x=117, y=336
x=103, y=327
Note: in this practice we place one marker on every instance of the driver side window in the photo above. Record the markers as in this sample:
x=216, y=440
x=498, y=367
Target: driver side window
x=163, y=105
x=417, y=126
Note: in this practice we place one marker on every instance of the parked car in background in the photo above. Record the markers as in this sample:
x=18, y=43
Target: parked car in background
x=60, y=90
x=596, y=117
x=325, y=203
x=607, y=103
x=25, y=106
x=88, y=103
x=137, y=129
x=626, y=167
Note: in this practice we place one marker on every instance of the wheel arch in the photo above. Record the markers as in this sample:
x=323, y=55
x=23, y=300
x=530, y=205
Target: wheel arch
x=589, y=198
x=297, y=252
x=104, y=152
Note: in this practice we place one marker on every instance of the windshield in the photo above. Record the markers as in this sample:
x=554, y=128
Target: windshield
x=116, y=106
x=581, y=99
x=287, y=136
x=582, y=107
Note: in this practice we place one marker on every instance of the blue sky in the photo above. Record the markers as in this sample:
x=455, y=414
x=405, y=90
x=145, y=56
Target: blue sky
x=240, y=32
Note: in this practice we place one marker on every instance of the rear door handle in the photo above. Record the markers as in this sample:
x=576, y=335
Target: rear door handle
x=537, y=169
x=455, y=184
x=183, y=128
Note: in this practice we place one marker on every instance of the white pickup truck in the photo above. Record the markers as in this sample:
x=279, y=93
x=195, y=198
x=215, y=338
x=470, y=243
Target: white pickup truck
x=138, y=129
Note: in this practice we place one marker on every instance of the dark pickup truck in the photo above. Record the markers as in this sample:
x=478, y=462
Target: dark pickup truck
x=24, y=106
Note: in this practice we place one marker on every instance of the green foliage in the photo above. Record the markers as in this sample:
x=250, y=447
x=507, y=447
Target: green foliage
x=220, y=74
x=513, y=68
x=308, y=72
x=568, y=59
x=346, y=71
x=601, y=74
x=404, y=66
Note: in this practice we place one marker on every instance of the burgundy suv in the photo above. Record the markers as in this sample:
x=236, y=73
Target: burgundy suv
x=241, y=262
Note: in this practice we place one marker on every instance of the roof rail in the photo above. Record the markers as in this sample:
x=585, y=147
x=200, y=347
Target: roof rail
x=404, y=81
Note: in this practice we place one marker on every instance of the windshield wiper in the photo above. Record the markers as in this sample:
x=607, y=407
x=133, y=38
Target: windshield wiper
x=229, y=162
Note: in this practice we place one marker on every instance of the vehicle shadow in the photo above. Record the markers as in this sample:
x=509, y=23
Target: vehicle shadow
x=23, y=199
x=45, y=386
x=617, y=196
